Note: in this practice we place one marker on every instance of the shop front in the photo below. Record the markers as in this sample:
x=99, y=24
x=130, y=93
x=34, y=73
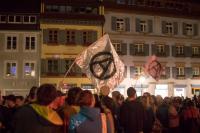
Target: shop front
x=162, y=90
x=195, y=89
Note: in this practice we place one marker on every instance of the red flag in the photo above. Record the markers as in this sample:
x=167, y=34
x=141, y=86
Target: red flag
x=153, y=68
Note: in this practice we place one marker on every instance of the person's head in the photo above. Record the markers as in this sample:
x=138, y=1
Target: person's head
x=46, y=94
x=59, y=101
x=131, y=92
x=115, y=95
x=73, y=95
x=11, y=101
x=19, y=101
x=146, y=94
x=86, y=98
x=32, y=94
x=105, y=90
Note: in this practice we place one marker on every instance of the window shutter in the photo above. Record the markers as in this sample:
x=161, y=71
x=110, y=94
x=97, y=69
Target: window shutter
x=175, y=25
x=125, y=72
x=44, y=68
x=63, y=66
x=77, y=70
x=150, y=26
x=174, y=72
x=167, y=51
x=62, y=36
x=154, y=49
x=164, y=29
x=127, y=21
x=132, y=72
x=146, y=49
x=138, y=25
x=113, y=23
x=78, y=37
x=167, y=71
x=184, y=29
x=94, y=36
x=188, y=72
x=45, y=36
x=124, y=48
x=174, y=51
x=188, y=51
x=196, y=29
x=132, y=49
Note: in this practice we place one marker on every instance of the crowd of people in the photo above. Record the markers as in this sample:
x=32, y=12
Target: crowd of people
x=48, y=110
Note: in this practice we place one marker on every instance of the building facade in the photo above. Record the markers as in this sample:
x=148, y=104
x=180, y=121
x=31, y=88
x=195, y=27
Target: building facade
x=19, y=46
x=68, y=28
x=168, y=29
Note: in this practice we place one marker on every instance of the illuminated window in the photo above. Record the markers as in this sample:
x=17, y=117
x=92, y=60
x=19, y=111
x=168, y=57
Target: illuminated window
x=29, y=69
x=11, y=69
x=139, y=48
x=120, y=24
x=160, y=48
x=195, y=71
x=143, y=26
x=180, y=50
x=169, y=28
x=180, y=71
x=195, y=50
x=138, y=70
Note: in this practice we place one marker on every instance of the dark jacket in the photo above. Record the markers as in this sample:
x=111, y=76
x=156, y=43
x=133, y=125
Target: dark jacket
x=132, y=116
x=88, y=120
x=29, y=120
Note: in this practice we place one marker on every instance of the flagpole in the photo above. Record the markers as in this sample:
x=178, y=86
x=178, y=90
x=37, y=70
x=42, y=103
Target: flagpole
x=61, y=82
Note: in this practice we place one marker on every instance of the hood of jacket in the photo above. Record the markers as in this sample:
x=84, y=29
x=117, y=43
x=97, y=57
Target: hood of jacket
x=48, y=114
x=91, y=113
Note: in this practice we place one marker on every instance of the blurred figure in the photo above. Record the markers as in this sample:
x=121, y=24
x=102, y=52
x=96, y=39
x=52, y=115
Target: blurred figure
x=71, y=106
x=88, y=120
x=149, y=114
x=19, y=101
x=10, y=102
x=132, y=113
x=173, y=117
x=38, y=117
x=59, y=101
x=162, y=113
x=190, y=116
x=31, y=98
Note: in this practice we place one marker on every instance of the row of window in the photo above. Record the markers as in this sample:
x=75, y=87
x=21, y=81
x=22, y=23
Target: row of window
x=146, y=26
x=71, y=9
x=177, y=72
x=55, y=36
x=11, y=69
x=12, y=43
x=88, y=37
x=162, y=50
x=18, y=19
x=59, y=67
x=176, y=5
